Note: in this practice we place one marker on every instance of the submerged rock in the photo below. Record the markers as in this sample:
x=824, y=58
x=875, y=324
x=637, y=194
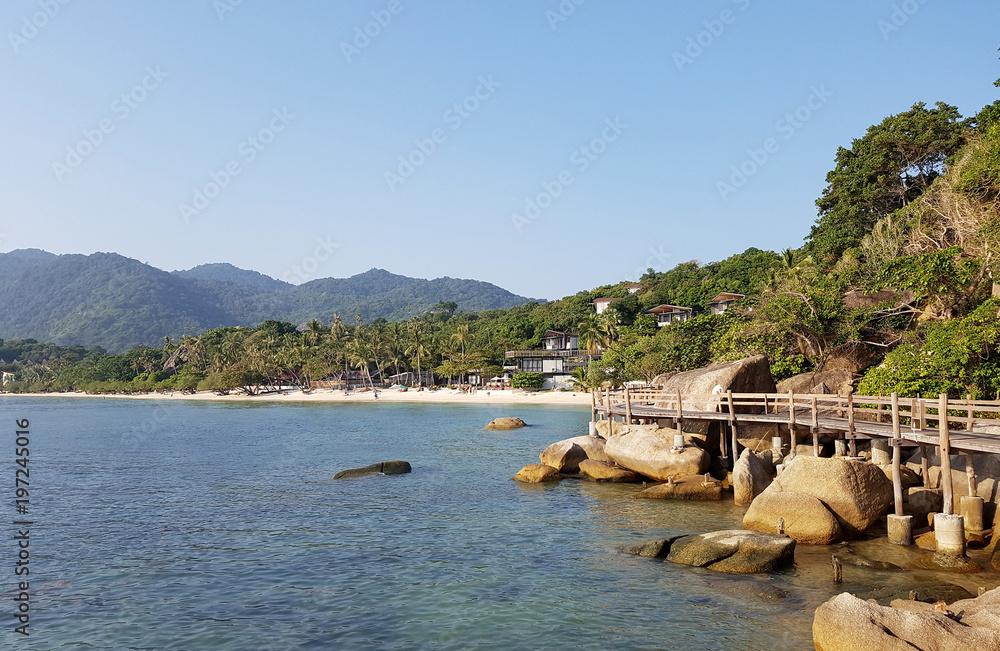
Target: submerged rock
x=601, y=471
x=651, y=548
x=382, y=468
x=536, y=473
x=566, y=455
x=505, y=423
x=687, y=488
x=736, y=551
x=847, y=623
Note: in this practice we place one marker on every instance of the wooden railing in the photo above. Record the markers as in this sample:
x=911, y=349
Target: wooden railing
x=806, y=409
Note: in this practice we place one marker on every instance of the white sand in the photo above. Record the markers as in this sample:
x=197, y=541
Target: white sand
x=449, y=396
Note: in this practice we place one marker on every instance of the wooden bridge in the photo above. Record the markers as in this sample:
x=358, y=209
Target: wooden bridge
x=966, y=426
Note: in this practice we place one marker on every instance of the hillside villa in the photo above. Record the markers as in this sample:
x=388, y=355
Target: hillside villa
x=555, y=360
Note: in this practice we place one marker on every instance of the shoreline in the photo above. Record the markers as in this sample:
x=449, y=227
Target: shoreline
x=441, y=396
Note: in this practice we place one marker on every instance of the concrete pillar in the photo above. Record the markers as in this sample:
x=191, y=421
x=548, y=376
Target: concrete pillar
x=678, y=442
x=776, y=445
x=900, y=529
x=880, y=452
x=949, y=531
x=971, y=508
x=592, y=428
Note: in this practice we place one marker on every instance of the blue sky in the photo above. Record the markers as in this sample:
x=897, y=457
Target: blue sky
x=270, y=134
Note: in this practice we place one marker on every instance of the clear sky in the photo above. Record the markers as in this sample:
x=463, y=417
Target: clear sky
x=281, y=137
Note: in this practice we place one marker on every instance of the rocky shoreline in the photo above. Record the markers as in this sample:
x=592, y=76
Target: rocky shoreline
x=796, y=497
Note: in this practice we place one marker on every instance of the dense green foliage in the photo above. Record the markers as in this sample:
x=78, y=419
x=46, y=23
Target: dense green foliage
x=527, y=381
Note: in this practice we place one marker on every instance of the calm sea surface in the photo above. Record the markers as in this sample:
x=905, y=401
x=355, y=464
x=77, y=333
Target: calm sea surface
x=215, y=526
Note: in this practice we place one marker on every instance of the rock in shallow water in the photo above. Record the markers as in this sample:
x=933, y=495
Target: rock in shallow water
x=736, y=551
x=381, y=468
x=806, y=519
x=688, y=488
x=601, y=471
x=536, y=473
x=648, y=450
x=847, y=623
x=566, y=455
x=505, y=423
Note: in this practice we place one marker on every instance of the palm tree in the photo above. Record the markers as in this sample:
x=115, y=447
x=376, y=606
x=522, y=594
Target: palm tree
x=417, y=346
x=460, y=336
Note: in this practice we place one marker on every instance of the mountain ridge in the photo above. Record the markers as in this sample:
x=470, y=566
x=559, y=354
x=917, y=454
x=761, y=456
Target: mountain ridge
x=116, y=302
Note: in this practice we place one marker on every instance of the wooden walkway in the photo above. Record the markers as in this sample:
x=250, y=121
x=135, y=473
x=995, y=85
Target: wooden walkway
x=912, y=421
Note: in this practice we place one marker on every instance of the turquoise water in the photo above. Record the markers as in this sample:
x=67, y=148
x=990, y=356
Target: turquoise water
x=196, y=525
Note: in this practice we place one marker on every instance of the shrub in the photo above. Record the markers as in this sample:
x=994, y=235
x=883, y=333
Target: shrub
x=527, y=381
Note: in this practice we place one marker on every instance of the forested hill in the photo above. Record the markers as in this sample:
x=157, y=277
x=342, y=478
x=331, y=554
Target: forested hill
x=108, y=300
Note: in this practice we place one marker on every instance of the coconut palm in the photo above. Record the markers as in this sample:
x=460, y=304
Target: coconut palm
x=460, y=336
x=417, y=347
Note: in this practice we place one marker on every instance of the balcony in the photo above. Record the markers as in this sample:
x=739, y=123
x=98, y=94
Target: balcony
x=558, y=354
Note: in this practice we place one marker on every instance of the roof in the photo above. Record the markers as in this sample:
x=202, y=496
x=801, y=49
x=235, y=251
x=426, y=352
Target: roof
x=661, y=309
x=726, y=296
x=606, y=300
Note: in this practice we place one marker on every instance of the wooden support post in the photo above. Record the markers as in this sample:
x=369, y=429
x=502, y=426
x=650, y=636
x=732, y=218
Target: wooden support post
x=915, y=414
x=897, y=442
x=838, y=571
x=972, y=413
x=924, y=468
x=593, y=407
x=792, y=433
x=850, y=425
x=628, y=408
x=765, y=403
x=680, y=412
x=815, y=427
x=946, y=488
x=732, y=425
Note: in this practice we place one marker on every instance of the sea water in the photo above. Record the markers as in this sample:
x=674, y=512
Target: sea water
x=196, y=525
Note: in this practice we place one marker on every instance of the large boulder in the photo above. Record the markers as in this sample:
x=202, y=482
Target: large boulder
x=805, y=518
x=738, y=552
x=602, y=471
x=536, y=473
x=857, y=493
x=381, y=468
x=907, y=476
x=919, y=502
x=505, y=423
x=565, y=456
x=688, y=488
x=651, y=548
x=752, y=473
x=847, y=623
x=608, y=428
x=750, y=375
x=828, y=381
x=647, y=450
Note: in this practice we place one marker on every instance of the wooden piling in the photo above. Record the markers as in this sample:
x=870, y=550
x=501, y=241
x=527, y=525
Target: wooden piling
x=970, y=474
x=792, y=433
x=924, y=467
x=946, y=488
x=680, y=412
x=838, y=570
x=815, y=427
x=628, y=407
x=732, y=425
x=897, y=442
x=850, y=425
x=593, y=406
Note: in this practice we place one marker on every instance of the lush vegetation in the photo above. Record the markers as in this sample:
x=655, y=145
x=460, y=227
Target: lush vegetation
x=901, y=264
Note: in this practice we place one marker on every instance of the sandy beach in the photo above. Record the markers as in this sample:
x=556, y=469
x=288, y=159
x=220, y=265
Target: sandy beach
x=449, y=396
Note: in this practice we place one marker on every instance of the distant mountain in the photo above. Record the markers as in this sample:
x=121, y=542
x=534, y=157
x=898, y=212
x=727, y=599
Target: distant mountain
x=108, y=300
x=224, y=272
